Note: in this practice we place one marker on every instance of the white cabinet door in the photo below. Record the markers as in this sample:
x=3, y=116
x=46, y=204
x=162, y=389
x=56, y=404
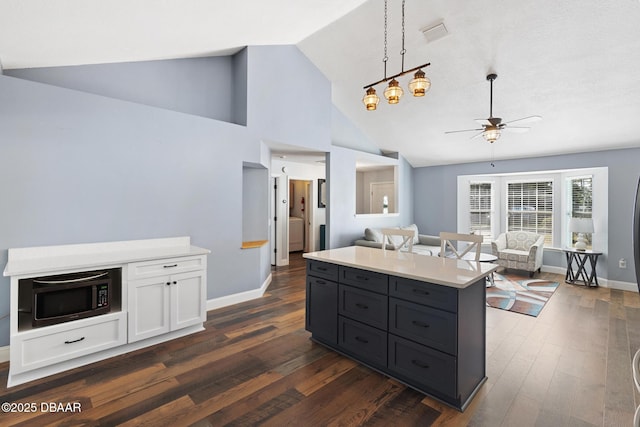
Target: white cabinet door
x=149, y=301
x=158, y=305
x=188, y=299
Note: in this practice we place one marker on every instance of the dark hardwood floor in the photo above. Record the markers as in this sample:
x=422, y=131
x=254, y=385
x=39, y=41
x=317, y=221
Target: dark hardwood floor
x=255, y=365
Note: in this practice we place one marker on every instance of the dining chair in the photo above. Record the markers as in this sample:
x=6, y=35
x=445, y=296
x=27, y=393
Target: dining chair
x=450, y=241
x=404, y=238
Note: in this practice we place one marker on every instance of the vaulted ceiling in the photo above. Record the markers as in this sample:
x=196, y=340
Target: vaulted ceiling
x=576, y=63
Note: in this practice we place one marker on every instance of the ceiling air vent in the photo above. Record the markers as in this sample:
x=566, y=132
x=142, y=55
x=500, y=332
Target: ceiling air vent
x=435, y=32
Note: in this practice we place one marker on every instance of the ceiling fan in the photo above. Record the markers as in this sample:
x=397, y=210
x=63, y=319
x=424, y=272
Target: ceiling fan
x=493, y=126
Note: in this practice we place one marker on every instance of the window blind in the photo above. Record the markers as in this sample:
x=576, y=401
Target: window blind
x=530, y=208
x=480, y=209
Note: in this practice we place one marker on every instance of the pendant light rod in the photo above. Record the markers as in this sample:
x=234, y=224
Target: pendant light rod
x=402, y=73
x=491, y=78
x=403, y=51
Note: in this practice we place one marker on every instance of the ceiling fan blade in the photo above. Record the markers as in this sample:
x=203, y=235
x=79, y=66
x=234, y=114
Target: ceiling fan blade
x=465, y=130
x=477, y=135
x=516, y=129
x=483, y=122
x=523, y=120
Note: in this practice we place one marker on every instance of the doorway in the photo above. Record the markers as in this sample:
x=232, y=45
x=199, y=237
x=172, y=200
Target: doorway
x=300, y=215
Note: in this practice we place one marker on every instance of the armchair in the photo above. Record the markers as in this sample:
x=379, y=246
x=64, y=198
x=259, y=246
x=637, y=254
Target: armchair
x=520, y=250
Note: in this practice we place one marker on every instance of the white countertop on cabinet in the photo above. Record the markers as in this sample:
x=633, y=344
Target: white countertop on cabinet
x=50, y=259
x=443, y=271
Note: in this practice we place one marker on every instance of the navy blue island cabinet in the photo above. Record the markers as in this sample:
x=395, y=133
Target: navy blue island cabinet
x=429, y=336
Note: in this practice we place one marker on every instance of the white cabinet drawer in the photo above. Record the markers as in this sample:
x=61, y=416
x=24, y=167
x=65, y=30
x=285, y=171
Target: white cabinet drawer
x=67, y=341
x=145, y=269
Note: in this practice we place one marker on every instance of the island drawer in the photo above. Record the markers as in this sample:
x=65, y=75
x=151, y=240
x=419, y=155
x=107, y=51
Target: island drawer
x=367, y=307
x=430, y=294
x=424, y=325
x=365, y=279
x=322, y=269
x=422, y=366
x=365, y=342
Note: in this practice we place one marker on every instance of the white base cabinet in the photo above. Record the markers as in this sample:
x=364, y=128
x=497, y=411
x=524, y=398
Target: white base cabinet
x=168, y=302
x=161, y=295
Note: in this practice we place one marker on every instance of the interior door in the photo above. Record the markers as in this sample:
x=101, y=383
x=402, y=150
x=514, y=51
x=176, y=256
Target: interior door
x=281, y=219
x=309, y=235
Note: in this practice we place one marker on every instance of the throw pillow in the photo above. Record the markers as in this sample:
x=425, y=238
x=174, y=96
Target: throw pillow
x=373, y=235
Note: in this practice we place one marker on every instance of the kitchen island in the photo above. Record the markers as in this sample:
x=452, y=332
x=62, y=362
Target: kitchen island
x=415, y=318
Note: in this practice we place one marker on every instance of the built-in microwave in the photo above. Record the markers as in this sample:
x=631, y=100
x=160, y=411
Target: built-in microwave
x=61, y=298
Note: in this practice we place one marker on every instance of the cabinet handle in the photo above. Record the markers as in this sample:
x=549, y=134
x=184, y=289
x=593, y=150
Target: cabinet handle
x=420, y=364
x=321, y=282
x=170, y=266
x=362, y=306
x=168, y=283
x=362, y=278
x=420, y=291
x=174, y=282
x=421, y=324
x=321, y=268
x=71, y=342
x=362, y=340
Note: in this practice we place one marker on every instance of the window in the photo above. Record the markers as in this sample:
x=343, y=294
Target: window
x=530, y=208
x=542, y=202
x=580, y=192
x=481, y=209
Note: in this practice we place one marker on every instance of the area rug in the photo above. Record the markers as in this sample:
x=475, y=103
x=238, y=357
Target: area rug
x=519, y=294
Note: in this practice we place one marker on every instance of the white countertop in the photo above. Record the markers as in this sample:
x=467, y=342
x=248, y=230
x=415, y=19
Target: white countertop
x=443, y=271
x=50, y=259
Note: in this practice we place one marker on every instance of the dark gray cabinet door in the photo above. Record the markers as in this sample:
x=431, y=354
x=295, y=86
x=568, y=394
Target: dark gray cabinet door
x=322, y=309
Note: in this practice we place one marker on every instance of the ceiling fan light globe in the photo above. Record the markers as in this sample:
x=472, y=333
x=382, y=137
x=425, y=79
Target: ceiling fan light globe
x=420, y=84
x=491, y=135
x=393, y=92
x=370, y=99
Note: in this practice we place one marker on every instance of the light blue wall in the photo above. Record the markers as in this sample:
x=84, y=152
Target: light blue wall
x=78, y=167
x=199, y=86
x=287, y=98
x=435, y=190
x=344, y=227
x=346, y=134
x=239, y=88
x=255, y=203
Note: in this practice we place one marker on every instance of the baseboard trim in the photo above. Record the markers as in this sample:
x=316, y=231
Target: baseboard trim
x=228, y=300
x=615, y=284
x=4, y=354
x=605, y=283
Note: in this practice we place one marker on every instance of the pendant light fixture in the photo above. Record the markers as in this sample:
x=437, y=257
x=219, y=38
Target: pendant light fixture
x=418, y=86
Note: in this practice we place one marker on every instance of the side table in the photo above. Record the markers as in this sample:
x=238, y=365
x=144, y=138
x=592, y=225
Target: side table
x=576, y=263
